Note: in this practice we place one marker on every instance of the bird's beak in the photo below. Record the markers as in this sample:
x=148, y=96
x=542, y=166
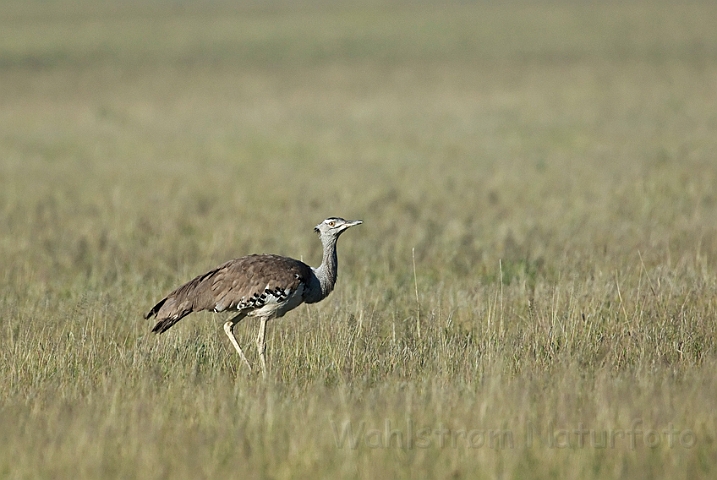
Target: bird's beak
x=349, y=224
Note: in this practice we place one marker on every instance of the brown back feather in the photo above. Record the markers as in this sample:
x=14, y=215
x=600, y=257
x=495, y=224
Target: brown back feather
x=228, y=285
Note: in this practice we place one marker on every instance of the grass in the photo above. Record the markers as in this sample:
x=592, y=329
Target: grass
x=532, y=293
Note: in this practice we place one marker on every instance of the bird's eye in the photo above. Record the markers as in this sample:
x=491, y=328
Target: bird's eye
x=331, y=224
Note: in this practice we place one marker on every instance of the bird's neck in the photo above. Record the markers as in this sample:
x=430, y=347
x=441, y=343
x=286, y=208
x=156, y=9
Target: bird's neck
x=328, y=270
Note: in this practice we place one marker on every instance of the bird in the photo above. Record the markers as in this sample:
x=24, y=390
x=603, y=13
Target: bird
x=266, y=286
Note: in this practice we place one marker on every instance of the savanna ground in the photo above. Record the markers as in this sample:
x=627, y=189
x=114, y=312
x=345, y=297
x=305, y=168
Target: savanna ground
x=533, y=292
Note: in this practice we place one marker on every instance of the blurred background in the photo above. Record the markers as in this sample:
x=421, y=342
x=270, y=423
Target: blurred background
x=470, y=131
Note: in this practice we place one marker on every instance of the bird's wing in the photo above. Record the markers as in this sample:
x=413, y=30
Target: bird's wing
x=242, y=284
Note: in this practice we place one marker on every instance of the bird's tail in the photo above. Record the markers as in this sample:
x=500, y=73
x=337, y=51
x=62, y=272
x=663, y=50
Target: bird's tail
x=180, y=303
x=168, y=318
x=155, y=309
x=164, y=325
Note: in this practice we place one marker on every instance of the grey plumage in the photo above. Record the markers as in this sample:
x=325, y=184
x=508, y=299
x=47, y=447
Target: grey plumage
x=264, y=286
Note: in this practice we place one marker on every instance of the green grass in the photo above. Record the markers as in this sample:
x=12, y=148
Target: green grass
x=550, y=168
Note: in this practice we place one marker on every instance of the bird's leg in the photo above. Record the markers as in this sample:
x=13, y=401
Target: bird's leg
x=229, y=330
x=261, y=345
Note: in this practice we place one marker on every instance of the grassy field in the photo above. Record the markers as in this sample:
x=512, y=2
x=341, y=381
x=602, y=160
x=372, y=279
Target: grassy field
x=533, y=293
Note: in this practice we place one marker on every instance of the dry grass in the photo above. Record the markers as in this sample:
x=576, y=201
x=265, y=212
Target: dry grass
x=549, y=167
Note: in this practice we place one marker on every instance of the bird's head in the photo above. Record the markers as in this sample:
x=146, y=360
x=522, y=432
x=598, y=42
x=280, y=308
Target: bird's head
x=332, y=227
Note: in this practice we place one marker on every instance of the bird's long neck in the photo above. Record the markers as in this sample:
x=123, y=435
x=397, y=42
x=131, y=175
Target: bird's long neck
x=327, y=272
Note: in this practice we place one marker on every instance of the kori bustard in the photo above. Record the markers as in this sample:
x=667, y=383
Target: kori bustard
x=264, y=286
